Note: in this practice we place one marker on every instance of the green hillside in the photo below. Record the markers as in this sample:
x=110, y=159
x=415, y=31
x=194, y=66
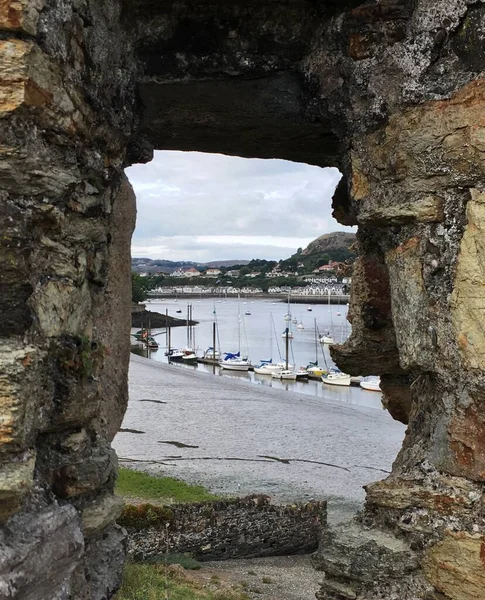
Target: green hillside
x=336, y=246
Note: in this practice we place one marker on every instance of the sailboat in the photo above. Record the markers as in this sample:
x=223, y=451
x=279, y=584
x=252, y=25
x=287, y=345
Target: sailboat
x=212, y=353
x=336, y=377
x=189, y=354
x=268, y=367
x=372, y=383
x=326, y=338
x=287, y=317
x=286, y=373
x=233, y=361
x=312, y=367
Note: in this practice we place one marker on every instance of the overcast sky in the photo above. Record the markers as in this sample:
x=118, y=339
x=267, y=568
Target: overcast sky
x=204, y=207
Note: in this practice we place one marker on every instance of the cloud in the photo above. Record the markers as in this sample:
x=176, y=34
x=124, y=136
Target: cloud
x=194, y=206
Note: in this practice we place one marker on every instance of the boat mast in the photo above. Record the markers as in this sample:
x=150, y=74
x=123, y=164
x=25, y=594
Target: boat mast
x=188, y=333
x=316, y=341
x=238, y=325
x=192, y=330
x=168, y=331
x=287, y=343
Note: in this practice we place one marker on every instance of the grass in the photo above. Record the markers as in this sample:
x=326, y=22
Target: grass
x=184, y=560
x=165, y=490
x=157, y=582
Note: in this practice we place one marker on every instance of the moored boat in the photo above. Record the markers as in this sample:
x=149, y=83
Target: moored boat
x=211, y=353
x=234, y=362
x=312, y=368
x=335, y=377
x=174, y=355
x=189, y=355
x=269, y=367
x=371, y=383
x=285, y=374
x=301, y=373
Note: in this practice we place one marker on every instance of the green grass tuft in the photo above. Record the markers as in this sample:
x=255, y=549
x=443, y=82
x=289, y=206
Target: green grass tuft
x=154, y=582
x=184, y=560
x=166, y=490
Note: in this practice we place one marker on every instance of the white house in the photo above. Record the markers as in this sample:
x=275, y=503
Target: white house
x=212, y=272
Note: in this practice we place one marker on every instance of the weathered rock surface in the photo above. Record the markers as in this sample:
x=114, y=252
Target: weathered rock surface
x=392, y=93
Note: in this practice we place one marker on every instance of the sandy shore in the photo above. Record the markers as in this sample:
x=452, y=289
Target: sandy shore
x=326, y=449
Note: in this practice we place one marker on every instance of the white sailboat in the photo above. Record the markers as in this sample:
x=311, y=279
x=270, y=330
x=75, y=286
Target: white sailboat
x=336, y=377
x=326, y=338
x=286, y=373
x=189, y=354
x=371, y=383
x=233, y=361
x=312, y=367
x=268, y=367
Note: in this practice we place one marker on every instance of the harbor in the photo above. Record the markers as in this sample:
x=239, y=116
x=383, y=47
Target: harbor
x=259, y=335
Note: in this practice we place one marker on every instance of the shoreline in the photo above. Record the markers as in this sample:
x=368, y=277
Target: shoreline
x=246, y=439
x=334, y=299
x=155, y=320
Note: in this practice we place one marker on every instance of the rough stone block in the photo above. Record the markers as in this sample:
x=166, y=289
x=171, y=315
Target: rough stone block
x=455, y=566
x=468, y=298
x=105, y=557
x=438, y=493
x=84, y=476
x=16, y=479
x=410, y=306
x=38, y=553
x=385, y=211
x=20, y=15
x=18, y=371
x=349, y=551
x=98, y=515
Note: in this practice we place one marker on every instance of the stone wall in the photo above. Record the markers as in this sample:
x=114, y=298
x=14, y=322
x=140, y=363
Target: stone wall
x=241, y=528
x=67, y=213
x=390, y=91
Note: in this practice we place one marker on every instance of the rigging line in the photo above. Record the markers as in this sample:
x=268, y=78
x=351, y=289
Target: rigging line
x=322, y=347
x=276, y=338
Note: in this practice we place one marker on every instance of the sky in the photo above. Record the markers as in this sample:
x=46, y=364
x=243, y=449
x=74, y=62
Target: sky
x=205, y=207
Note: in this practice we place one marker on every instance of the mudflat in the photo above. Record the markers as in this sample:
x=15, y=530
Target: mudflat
x=237, y=438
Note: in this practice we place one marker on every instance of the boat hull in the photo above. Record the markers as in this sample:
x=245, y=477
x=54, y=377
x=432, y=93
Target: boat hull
x=371, y=385
x=234, y=366
x=339, y=381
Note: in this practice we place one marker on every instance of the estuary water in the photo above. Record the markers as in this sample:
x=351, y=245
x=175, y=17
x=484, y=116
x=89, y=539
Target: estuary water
x=259, y=336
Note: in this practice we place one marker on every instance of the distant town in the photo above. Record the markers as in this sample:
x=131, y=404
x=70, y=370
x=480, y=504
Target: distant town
x=323, y=268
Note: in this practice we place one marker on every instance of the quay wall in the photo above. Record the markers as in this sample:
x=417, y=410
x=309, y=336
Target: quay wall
x=221, y=530
x=313, y=299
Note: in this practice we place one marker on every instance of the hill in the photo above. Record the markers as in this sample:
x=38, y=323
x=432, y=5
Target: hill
x=330, y=243
x=336, y=246
x=150, y=265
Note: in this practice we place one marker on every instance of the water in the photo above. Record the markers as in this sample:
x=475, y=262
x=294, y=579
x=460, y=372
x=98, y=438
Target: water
x=259, y=341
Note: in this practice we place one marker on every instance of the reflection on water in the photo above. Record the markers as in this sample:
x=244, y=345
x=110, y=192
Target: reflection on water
x=260, y=339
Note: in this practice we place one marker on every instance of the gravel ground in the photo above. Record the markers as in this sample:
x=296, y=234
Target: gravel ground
x=275, y=578
x=239, y=429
